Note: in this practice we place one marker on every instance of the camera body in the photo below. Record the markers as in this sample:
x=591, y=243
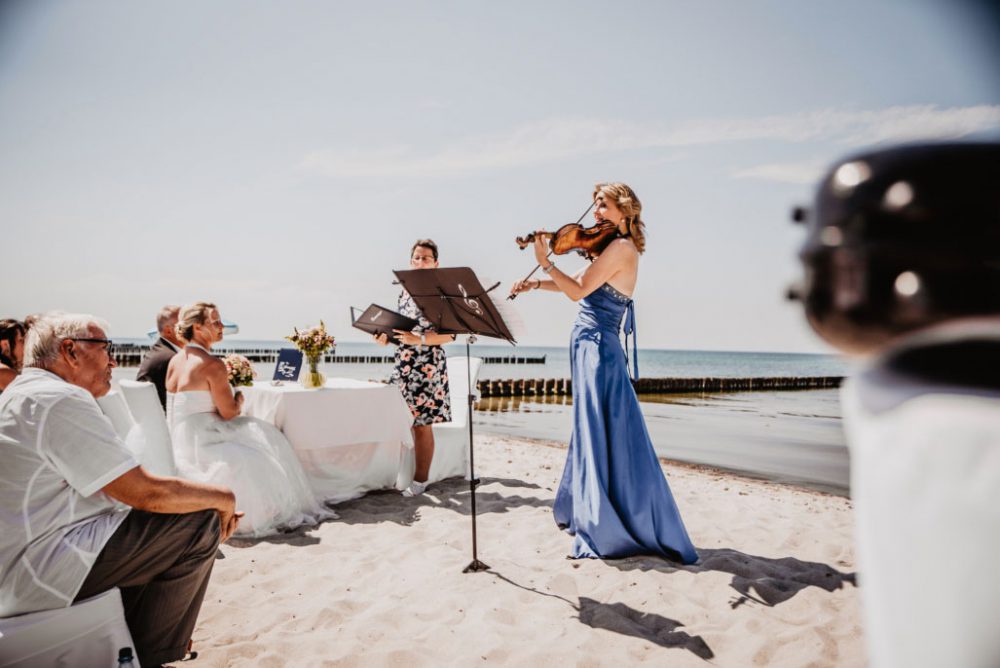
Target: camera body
x=901, y=239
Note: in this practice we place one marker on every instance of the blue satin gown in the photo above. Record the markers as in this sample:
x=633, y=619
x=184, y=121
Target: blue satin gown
x=613, y=496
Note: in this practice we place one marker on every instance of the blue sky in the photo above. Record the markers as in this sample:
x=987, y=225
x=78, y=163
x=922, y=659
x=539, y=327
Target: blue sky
x=280, y=158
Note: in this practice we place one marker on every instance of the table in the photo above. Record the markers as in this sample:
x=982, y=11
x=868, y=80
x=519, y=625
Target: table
x=351, y=435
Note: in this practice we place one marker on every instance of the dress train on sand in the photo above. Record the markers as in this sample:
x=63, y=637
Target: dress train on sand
x=251, y=457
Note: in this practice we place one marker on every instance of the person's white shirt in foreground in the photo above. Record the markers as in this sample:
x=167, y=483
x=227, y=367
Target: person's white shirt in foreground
x=58, y=452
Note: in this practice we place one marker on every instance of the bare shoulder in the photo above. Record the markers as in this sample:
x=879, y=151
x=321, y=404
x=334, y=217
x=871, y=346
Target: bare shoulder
x=211, y=364
x=175, y=362
x=200, y=362
x=216, y=368
x=623, y=249
x=628, y=244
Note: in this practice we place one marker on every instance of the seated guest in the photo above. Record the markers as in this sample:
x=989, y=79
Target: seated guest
x=79, y=516
x=154, y=363
x=212, y=443
x=11, y=351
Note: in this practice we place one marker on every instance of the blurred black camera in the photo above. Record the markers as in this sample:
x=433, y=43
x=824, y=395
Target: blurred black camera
x=901, y=239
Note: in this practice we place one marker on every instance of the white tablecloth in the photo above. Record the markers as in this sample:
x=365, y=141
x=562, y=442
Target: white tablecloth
x=348, y=435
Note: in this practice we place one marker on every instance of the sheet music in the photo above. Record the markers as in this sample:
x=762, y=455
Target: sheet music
x=507, y=309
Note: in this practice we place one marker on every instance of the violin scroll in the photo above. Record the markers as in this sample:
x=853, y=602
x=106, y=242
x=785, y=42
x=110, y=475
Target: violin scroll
x=528, y=239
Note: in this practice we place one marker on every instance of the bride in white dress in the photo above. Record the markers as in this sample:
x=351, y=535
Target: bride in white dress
x=213, y=444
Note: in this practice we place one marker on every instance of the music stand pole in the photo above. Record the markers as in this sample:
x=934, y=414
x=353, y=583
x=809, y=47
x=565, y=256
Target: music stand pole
x=475, y=565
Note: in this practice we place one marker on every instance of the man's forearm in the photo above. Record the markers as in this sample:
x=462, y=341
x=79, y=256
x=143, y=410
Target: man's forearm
x=175, y=495
x=156, y=494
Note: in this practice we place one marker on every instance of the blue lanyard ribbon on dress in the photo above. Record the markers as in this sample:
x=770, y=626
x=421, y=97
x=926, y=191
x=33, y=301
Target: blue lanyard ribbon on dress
x=630, y=329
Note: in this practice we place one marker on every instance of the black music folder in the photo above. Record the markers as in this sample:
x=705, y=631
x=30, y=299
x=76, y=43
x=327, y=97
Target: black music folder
x=379, y=320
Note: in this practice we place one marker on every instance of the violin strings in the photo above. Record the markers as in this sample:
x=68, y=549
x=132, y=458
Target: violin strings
x=538, y=266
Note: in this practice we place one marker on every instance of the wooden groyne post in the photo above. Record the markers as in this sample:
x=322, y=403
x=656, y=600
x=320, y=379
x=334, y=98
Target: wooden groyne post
x=522, y=387
x=130, y=354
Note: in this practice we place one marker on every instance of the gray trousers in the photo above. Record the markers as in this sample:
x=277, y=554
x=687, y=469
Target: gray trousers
x=162, y=564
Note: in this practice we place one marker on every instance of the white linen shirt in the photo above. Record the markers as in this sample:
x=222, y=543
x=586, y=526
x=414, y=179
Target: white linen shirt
x=57, y=451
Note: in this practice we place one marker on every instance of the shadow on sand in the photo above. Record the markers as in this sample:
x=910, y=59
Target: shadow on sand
x=452, y=494
x=648, y=626
x=296, y=538
x=620, y=618
x=756, y=579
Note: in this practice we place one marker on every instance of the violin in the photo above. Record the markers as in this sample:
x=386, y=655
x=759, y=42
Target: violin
x=587, y=241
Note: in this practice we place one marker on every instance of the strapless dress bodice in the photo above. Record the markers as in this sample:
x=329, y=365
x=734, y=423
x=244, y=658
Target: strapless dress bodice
x=184, y=404
x=603, y=309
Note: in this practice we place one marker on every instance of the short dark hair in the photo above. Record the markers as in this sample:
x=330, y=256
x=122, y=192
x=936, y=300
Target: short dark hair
x=428, y=244
x=9, y=329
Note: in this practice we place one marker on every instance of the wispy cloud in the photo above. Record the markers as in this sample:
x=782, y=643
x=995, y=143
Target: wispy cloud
x=807, y=171
x=532, y=143
x=555, y=139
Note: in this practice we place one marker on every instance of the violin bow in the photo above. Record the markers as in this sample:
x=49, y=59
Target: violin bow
x=538, y=266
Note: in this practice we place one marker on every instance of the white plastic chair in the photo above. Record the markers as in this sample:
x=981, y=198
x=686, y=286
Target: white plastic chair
x=451, y=439
x=114, y=407
x=150, y=438
x=88, y=633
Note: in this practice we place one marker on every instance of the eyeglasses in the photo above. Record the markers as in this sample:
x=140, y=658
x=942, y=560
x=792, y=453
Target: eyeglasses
x=106, y=342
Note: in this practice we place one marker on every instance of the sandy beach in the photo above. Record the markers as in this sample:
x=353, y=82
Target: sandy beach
x=383, y=585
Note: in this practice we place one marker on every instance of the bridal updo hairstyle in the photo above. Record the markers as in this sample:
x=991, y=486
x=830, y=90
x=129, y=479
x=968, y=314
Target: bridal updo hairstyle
x=191, y=315
x=624, y=198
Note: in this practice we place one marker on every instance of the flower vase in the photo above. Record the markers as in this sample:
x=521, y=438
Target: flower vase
x=313, y=378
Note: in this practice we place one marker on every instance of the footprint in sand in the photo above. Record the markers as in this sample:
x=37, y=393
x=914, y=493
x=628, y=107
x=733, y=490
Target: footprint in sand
x=563, y=585
x=502, y=616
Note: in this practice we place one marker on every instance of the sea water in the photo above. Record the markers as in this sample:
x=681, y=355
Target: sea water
x=790, y=436
x=652, y=363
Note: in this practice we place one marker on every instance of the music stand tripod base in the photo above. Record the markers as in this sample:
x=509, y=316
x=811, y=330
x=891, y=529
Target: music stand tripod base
x=475, y=566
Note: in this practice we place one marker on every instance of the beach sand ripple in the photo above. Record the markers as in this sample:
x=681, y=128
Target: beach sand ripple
x=383, y=585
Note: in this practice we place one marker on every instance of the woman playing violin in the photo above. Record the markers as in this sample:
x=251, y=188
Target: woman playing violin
x=613, y=496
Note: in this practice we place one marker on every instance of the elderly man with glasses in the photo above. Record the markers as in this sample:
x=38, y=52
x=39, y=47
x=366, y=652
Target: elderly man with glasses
x=79, y=515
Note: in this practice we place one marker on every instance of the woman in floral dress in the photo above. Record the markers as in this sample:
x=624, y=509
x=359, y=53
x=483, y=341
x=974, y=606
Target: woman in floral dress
x=421, y=371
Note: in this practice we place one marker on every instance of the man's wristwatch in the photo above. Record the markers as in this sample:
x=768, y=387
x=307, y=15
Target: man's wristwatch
x=552, y=265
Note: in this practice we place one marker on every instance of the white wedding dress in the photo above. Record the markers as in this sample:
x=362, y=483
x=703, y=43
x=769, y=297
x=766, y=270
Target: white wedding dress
x=250, y=456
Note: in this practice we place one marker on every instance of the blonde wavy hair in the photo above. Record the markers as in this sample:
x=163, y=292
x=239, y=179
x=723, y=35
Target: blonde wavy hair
x=625, y=199
x=191, y=315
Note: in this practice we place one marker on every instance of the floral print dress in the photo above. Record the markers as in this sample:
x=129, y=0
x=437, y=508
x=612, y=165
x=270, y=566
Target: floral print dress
x=421, y=372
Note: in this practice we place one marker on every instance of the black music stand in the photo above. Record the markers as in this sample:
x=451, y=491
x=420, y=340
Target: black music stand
x=455, y=302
